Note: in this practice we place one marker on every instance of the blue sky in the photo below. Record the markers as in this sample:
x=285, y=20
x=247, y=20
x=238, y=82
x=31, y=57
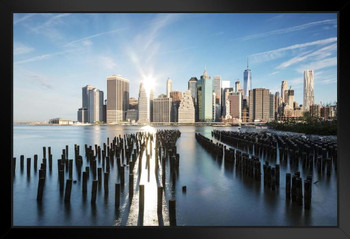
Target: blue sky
x=55, y=55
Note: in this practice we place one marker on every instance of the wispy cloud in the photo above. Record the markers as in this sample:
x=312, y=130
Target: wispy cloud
x=48, y=28
x=288, y=29
x=317, y=55
x=280, y=52
x=87, y=40
x=17, y=19
x=42, y=57
x=21, y=49
x=317, y=65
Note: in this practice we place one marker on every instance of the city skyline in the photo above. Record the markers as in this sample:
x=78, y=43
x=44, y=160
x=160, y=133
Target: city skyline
x=54, y=59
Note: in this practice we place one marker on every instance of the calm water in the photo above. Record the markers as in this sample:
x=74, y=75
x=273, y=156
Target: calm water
x=216, y=195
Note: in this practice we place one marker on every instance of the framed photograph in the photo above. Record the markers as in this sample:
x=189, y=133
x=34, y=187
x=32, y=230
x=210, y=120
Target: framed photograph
x=176, y=119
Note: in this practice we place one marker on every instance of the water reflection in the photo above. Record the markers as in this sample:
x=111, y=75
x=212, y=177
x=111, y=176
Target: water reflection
x=217, y=194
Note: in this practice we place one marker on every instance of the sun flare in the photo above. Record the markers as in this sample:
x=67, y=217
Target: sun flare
x=149, y=83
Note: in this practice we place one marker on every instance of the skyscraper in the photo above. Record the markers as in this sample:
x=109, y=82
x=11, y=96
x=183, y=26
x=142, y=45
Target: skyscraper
x=85, y=95
x=176, y=97
x=290, y=97
x=284, y=87
x=169, y=87
x=144, y=106
x=162, y=109
x=217, y=89
x=238, y=86
x=82, y=115
x=84, y=111
x=217, y=100
x=235, y=105
x=205, y=95
x=151, y=97
x=95, y=105
x=308, y=89
x=192, y=86
x=272, y=107
x=259, y=104
x=186, y=108
x=117, y=98
x=247, y=80
x=225, y=94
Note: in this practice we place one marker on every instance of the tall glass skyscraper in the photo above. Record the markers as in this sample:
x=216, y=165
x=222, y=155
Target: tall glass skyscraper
x=247, y=80
x=205, y=97
x=92, y=105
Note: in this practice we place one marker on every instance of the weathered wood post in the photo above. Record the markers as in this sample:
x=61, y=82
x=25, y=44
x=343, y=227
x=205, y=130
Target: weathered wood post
x=172, y=212
x=93, y=191
x=70, y=168
x=131, y=185
x=117, y=196
x=40, y=189
x=35, y=162
x=28, y=166
x=141, y=201
x=307, y=194
x=61, y=179
x=68, y=190
x=288, y=178
x=159, y=199
x=99, y=175
x=67, y=151
x=44, y=152
x=22, y=162
x=106, y=177
x=329, y=166
x=293, y=188
x=84, y=186
x=299, y=189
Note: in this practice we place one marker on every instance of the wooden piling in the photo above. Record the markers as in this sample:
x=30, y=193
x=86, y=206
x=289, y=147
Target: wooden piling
x=93, y=191
x=117, y=196
x=131, y=185
x=44, y=152
x=68, y=190
x=299, y=191
x=307, y=194
x=106, y=177
x=28, y=166
x=22, y=162
x=141, y=201
x=40, y=189
x=288, y=179
x=293, y=188
x=172, y=212
x=84, y=186
x=159, y=199
x=61, y=179
x=35, y=162
x=99, y=175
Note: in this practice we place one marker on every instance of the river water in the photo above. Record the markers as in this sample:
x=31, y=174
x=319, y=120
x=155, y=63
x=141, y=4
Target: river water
x=216, y=195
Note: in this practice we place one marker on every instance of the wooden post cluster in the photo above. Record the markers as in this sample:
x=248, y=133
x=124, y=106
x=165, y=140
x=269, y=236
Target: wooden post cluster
x=294, y=149
x=271, y=175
